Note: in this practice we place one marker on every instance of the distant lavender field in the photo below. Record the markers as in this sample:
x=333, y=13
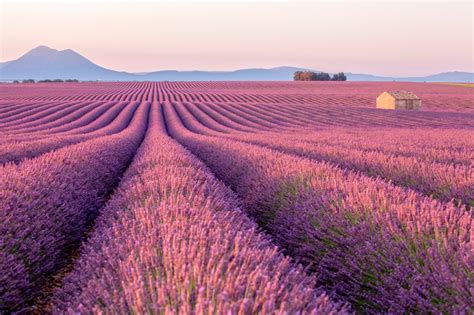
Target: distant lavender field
x=235, y=197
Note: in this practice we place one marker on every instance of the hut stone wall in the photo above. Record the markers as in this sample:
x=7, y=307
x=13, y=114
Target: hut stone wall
x=388, y=101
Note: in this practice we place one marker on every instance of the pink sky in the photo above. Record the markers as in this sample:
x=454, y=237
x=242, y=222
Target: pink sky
x=379, y=37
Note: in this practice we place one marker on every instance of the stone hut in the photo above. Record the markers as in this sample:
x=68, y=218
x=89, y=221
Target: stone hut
x=398, y=100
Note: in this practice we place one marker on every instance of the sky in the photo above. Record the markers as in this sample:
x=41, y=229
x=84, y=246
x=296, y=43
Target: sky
x=397, y=38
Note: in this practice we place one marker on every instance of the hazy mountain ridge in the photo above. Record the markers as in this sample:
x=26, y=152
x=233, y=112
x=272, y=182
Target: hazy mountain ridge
x=45, y=63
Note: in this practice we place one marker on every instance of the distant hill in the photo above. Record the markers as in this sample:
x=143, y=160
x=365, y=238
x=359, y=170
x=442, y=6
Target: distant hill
x=46, y=63
x=3, y=64
x=257, y=74
x=454, y=76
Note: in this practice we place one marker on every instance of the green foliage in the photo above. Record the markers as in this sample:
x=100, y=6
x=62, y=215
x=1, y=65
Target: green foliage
x=318, y=76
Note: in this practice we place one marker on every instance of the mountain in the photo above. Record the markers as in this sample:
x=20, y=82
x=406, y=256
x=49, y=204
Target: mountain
x=3, y=64
x=454, y=76
x=46, y=63
x=257, y=74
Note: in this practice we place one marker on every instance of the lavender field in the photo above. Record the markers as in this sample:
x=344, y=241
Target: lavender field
x=235, y=198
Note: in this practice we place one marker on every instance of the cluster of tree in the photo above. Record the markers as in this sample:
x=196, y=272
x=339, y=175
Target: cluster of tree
x=339, y=77
x=50, y=81
x=46, y=81
x=318, y=76
x=25, y=81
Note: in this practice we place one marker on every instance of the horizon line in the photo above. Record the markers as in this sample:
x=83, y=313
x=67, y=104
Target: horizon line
x=237, y=69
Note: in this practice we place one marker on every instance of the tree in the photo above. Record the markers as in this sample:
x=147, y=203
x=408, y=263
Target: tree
x=321, y=76
x=297, y=76
x=303, y=76
x=311, y=76
x=318, y=76
x=339, y=77
x=28, y=81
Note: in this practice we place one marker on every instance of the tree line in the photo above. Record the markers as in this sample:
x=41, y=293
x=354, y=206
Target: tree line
x=45, y=81
x=318, y=76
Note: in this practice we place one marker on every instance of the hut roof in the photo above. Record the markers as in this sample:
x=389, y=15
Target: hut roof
x=403, y=95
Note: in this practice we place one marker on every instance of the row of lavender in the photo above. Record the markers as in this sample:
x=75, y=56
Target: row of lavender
x=297, y=116
x=51, y=118
x=68, y=121
x=301, y=191
x=19, y=121
x=45, y=136
x=173, y=240
x=437, y=163
x=228, y=119
x=264, y=116
x=441, y=180
x=318, y=94
x=380, y=247
x=49, y=202
x=450, y=146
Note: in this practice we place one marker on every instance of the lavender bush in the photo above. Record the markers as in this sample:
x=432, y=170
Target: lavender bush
x=107, y=124
x=49, y=202
x=380, y=247
x=443, y=181
x=53, y=114
x=173, y=240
